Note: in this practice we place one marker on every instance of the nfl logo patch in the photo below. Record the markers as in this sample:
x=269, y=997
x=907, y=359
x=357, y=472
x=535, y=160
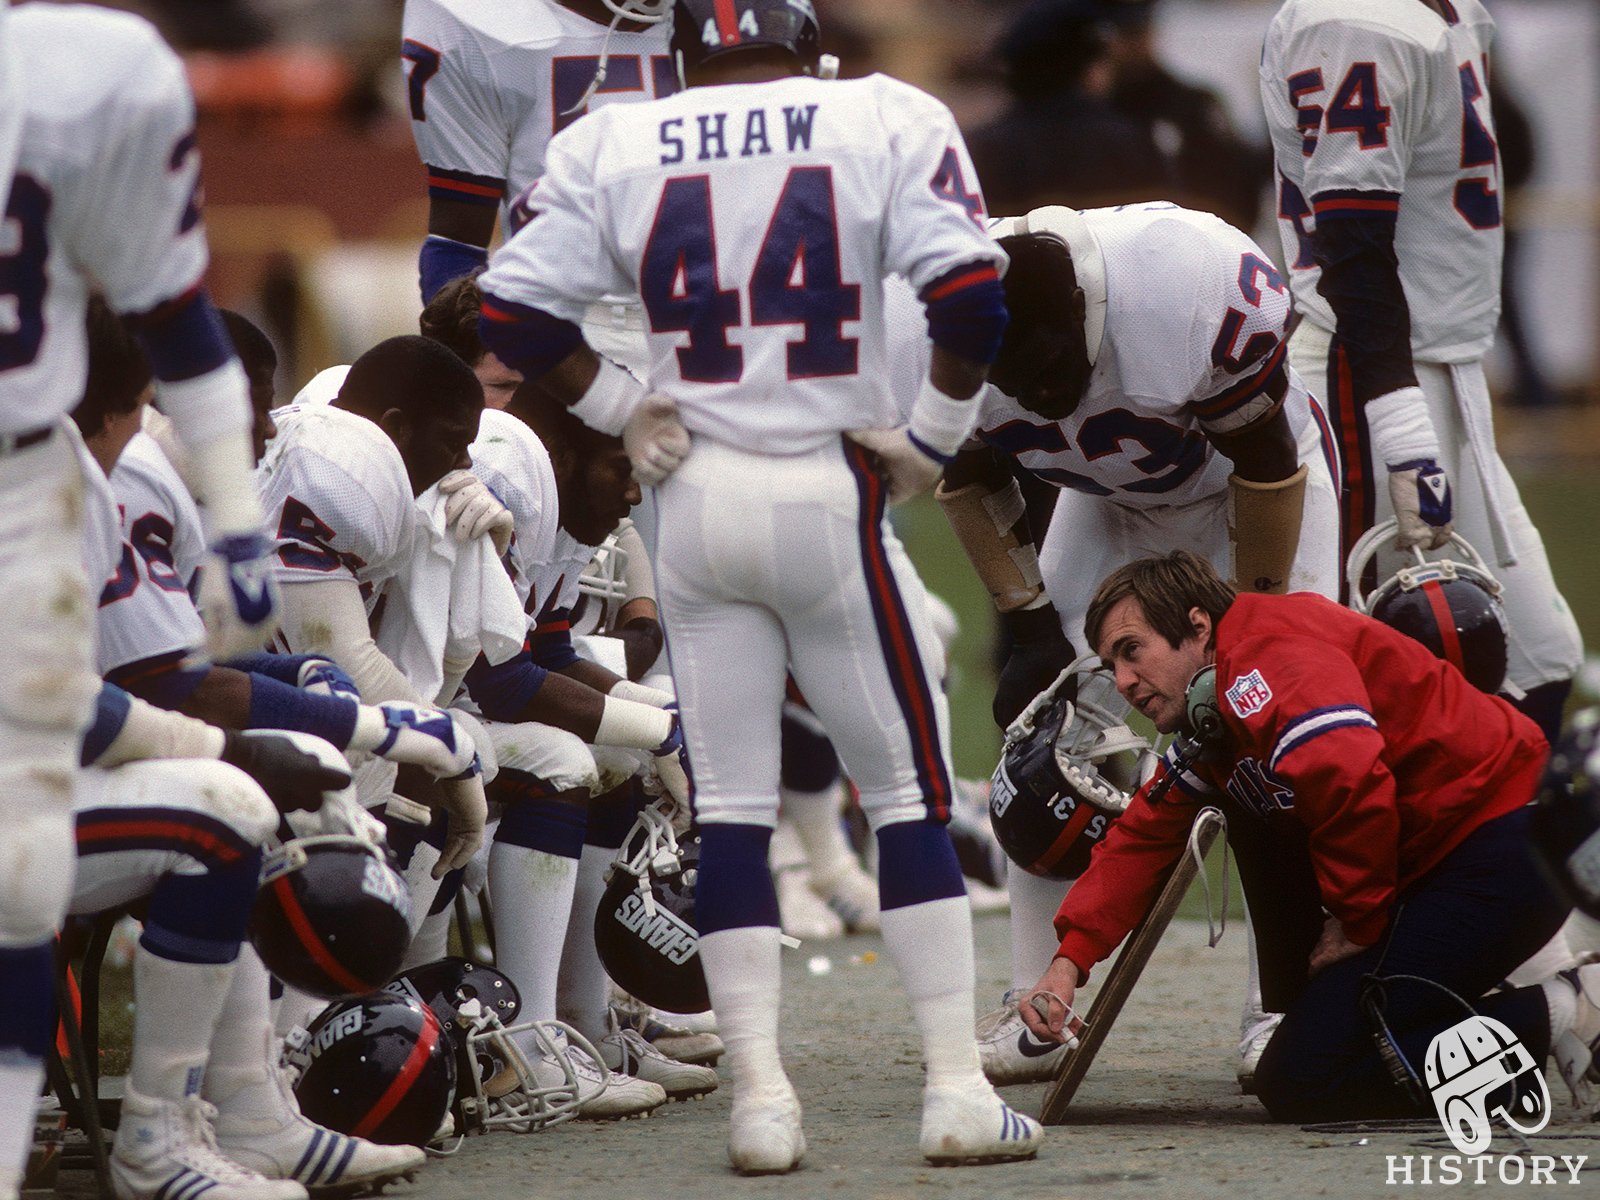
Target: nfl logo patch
x=1249, y=694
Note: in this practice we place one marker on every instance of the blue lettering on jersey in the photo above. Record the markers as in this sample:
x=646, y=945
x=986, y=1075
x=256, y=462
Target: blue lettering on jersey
x=798, y=122
x=670, y=131
x=713, y=138
x=755, y=134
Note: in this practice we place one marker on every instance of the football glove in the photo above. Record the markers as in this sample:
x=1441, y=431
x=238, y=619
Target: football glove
x=672, y=765
x=656, y=440
x=908, y=468
x=1039, y=650
x=472, y=510
x=292, y=778
x=238, y=595
x=1404, y=441
x=417, y=734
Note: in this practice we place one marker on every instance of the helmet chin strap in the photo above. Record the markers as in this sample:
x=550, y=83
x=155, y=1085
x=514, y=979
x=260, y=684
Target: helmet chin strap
x=599, y=79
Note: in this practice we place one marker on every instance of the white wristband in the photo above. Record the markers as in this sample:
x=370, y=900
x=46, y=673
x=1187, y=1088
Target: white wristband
x=941, y=424
x=629, y=723
x=1401, y=429
x=610, y=400
x=626, y=689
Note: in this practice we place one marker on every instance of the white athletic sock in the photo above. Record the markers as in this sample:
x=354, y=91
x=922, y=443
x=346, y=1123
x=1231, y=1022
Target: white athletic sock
x=583, y=989
x=815, y=818
x=242, y=1043
x=1034, y=901
x=175, y=1011
x=531, y=891
x=744, y=976
x=931, y=944
x=295, y=1008
x=1252, y=1014
x=20, y=1080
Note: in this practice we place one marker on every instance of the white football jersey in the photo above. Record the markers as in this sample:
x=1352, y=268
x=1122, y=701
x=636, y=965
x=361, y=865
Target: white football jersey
x=513, y=462
x=756, y=222
x=337, y=499
x=1383, y=105
x=147, y=609
x=106, y=196
x=1194, y=321
x=490, y=82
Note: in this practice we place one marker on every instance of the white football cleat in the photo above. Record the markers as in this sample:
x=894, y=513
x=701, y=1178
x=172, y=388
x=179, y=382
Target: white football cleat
x=668, y=1033
x=969, y=1125
x=1251, y=1045
x=764, y=1133
x=606, y=1095
x=261, y=1127
x=1577, y=1051
x=1010, y=1053
x=166, y=1148
x=851, y=893
x=801, y=912
x=625, y=1050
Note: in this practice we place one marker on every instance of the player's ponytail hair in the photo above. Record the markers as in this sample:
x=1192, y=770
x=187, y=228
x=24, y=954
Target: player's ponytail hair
x=1167, y=589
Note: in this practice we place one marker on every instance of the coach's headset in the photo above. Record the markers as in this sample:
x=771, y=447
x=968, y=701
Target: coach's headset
x=1203, y=736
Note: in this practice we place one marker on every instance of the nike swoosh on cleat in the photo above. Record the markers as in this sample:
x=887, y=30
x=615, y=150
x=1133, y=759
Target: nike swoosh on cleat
x=1033, y=1049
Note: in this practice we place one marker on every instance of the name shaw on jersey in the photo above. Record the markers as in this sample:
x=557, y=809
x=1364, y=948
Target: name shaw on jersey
x=711, y=136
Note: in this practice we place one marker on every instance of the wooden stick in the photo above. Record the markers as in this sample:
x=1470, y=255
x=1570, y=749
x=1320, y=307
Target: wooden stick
x=1130, y=964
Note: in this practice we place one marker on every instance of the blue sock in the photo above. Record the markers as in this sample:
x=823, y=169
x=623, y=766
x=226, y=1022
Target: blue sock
x=735, y=886
x=202, y=918
x=916, y=864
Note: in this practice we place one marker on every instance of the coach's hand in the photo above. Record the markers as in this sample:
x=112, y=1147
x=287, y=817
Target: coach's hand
x=656, y=440
x=1333, y=946
x=1047, y=1008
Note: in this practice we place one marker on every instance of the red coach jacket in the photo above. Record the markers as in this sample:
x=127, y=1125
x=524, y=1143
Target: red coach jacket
x=1386, y=754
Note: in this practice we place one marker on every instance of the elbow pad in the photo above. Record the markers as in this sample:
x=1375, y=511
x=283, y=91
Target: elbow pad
x=526, y=339
x=444, y=259
x=967, y=312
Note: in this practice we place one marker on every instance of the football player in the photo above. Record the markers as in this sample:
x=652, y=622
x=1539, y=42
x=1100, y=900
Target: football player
x=756, y=215
x=339, y=482
x=157, y=817
x=99, y=124
x=148, y=632
x=1389, y=210
x=490, y=84
x=1143, y=375
x=568, y=734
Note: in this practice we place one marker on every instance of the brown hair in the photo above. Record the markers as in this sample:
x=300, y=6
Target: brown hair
x=1166, y=589
x=451, y=318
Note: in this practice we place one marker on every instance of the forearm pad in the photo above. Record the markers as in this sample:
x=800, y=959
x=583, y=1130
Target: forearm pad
x=150, y=732
x=986, y=523
x=1265, y=530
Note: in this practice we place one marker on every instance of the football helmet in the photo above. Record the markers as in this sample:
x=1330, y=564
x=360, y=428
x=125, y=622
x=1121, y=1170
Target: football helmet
x=602, y=590
x=332, y=917
x=642, y=12
x=645, y=926
x=1451, y=605
x=378, y=1067
x=1069, y=768
x=704, y=29
x=1565, y=826
x=498, y=1085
